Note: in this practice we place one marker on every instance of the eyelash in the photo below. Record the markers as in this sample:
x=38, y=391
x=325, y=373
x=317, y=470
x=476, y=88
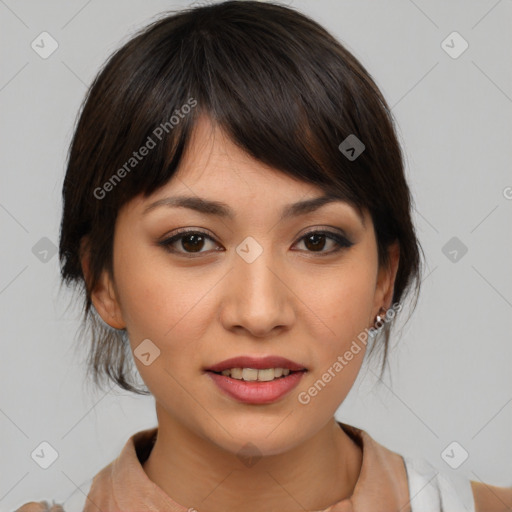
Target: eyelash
x=341, y=241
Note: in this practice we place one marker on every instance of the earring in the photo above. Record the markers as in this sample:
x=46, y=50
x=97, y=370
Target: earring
x=379, y=318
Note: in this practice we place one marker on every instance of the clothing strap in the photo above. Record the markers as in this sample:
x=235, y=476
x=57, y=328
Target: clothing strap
x=432, y=490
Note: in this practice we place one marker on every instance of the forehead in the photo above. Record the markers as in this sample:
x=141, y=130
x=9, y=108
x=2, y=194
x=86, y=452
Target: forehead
x=213, y=160
x=217, y=177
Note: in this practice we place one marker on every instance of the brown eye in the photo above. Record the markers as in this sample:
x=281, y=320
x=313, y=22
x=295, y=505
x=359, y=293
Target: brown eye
x=315, y=241
x=191, y=242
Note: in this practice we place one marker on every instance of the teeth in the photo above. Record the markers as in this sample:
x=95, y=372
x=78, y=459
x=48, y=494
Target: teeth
x=236, y=373
x=252, y=374
x=265, y=375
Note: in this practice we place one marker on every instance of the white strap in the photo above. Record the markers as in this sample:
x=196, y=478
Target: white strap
x=423, y=489
x=434, y=491
x=456, y=493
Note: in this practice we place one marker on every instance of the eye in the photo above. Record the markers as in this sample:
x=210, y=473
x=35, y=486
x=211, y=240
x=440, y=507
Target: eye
x=192, y=241
x=316, y=241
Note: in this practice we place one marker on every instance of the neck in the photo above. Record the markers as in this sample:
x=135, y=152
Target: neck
x=198, y=474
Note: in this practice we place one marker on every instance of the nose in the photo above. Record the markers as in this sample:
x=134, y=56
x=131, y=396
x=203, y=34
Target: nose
x=258, y=297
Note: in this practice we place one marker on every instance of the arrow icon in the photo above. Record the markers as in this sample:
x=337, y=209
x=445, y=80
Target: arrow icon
x=454, y=249
x=249, y=459
x=44, y=250
x=454, y=455
x=146, y=352
x=249, y=249
x=351, y=147
x=44, y=455
x=44, y=45
x=454, y=45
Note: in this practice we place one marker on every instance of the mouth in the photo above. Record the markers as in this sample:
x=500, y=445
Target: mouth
x=256, y=380
x=257, y=375
x=267, y=363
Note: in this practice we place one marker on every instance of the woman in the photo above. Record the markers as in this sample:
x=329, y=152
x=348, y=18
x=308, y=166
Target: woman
x=236, y=211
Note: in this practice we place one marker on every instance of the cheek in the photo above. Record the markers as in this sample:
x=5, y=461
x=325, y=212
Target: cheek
x=164, y=308
x=168, y=305
x=344, y=301
x=155, y=298
x=344, y=307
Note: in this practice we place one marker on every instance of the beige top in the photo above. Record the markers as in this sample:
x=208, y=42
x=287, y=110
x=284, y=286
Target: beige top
x=385, y=484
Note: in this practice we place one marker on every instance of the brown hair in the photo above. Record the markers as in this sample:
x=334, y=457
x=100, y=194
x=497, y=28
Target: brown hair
x=282, y=88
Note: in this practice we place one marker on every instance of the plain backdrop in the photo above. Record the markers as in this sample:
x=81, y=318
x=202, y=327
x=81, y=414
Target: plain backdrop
x=450, y=373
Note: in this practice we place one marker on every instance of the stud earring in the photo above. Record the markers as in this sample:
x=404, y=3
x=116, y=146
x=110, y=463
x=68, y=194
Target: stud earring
x=379, y=318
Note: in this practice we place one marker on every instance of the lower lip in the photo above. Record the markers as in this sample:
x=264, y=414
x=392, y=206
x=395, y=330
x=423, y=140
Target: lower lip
x=256, y=392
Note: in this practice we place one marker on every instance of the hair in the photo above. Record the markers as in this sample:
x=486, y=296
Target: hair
x=279, y=85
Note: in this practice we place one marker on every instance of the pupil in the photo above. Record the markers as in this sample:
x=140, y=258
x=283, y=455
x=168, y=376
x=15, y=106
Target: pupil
x=196, y=242
x=316, y=244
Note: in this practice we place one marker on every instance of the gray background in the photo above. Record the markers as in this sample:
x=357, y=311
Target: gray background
x=451, y=377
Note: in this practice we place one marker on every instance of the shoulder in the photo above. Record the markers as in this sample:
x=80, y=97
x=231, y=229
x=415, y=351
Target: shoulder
x=70, y=502
x=40, y=506
x=489, y=498
x=450, y=492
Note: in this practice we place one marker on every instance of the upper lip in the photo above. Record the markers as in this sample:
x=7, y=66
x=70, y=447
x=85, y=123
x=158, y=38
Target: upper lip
x=258, y=363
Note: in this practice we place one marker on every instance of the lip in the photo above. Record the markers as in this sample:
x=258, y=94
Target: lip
x=258, y=363
x=256, y=392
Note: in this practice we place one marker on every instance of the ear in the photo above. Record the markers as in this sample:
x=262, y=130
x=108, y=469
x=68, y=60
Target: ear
x=103, y=296
x=386, y=280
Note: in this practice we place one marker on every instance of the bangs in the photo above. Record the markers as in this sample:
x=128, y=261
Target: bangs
x=284, y=97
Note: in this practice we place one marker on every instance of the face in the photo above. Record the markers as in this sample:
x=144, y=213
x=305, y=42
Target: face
x=204, y=288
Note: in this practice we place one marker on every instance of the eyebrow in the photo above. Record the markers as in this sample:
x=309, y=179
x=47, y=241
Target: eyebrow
x=220, y=209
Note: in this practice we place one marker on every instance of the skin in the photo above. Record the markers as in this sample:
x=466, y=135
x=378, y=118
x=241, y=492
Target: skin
x=294, y=300
x=490, y=498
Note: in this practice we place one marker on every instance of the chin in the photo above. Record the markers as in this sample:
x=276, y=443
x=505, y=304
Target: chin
x=256, y=441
